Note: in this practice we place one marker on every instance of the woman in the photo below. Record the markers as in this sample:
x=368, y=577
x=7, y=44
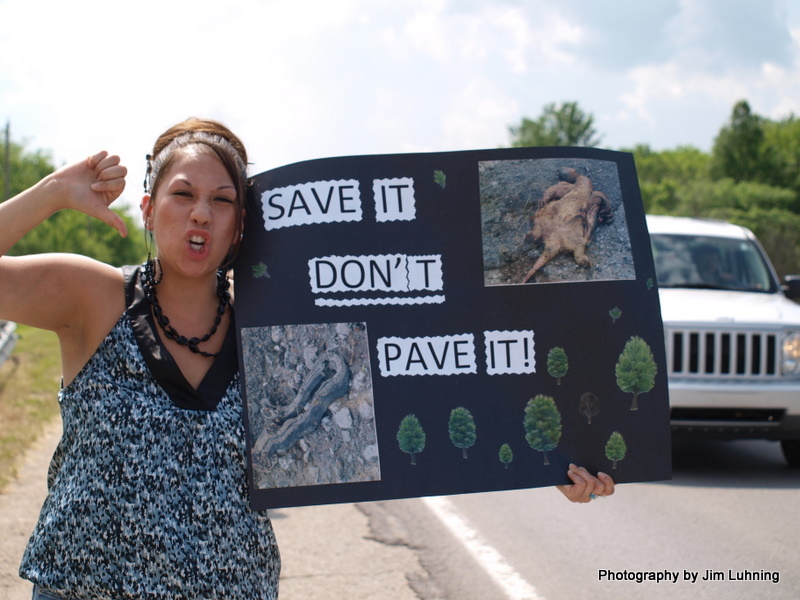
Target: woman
x=147, y=489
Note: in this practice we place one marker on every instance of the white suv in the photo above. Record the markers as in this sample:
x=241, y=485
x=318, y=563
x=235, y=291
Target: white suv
x=732, y=333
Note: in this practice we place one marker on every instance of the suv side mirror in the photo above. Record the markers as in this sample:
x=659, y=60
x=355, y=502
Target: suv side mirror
x=791, y=286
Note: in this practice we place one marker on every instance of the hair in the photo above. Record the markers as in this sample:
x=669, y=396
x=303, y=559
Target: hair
x=214, y=137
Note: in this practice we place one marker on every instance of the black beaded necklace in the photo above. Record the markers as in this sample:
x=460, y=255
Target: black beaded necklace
x=149, y=283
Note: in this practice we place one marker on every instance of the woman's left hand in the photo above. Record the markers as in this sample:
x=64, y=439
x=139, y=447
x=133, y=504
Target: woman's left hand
x=585, y=486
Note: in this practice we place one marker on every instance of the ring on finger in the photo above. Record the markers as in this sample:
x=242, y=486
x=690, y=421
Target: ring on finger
x=592, y=496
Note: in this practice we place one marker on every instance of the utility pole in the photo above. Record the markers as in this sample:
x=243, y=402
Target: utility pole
x=7, y=164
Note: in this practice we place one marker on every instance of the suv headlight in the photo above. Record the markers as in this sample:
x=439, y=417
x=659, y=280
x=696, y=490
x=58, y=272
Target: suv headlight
x=790, y=354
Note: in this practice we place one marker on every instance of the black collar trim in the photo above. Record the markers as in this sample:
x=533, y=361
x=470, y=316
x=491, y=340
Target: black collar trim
x=161, y=363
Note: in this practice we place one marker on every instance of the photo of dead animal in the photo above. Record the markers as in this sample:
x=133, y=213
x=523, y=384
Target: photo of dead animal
x=553, y=220
x=566, y=217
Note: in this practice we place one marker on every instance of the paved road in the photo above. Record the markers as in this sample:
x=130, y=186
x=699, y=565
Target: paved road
x=730, y=507
x=731, y=510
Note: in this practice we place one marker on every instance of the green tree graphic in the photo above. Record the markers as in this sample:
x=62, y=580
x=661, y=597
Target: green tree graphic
x=462, y=429
x=636, y=369
x=411, y=437
x=557, y=364
x=505, y=455
x=542, y=424
x=616, y=448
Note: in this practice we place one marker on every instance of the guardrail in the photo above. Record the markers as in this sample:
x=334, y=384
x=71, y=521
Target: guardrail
x=8, y=339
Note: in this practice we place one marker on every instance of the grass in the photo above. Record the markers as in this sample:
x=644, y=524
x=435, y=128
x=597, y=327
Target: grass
x=29, y=382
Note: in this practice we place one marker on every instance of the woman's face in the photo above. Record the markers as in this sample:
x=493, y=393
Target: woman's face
x=193, y=213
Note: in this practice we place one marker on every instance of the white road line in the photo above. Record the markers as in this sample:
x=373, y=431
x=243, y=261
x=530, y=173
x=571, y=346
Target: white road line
x=502, y=573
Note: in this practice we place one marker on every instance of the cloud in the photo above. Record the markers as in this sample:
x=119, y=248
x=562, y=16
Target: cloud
x=733, y=35
x=630, y=34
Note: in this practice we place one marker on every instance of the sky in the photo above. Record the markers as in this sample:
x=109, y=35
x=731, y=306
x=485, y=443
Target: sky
x=305, y=79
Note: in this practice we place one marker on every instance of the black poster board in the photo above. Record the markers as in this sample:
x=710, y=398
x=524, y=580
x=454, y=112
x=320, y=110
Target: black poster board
x=390, y=347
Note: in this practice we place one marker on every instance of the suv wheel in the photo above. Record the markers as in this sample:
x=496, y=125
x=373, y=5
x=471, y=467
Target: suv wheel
x=791, y=451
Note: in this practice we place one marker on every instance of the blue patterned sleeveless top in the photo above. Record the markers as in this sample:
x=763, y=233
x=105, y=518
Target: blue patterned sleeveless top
x=147, y=487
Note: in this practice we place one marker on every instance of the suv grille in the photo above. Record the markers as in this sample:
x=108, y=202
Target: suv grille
x=735, y=355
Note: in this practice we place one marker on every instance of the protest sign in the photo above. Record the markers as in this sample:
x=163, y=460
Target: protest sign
x=444, y=323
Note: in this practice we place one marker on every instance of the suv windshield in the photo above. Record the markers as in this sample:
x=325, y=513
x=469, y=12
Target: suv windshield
x=710, y=263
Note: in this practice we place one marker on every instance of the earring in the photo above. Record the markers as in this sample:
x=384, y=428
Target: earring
x=152, y=271
x=152, y=266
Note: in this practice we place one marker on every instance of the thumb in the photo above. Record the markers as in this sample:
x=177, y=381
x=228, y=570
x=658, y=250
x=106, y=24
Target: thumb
x=112, y=219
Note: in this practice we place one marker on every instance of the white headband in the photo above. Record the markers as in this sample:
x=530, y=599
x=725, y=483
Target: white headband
x=182, y=141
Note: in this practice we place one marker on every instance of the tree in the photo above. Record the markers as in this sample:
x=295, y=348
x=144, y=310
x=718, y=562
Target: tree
x=682, y=164
x=462, y=429
x=411, y=437
x=542, y=425
x=636, y=369
x=752, y=178
x=615, y=449
x=562, y=124
x=557, y=363
x=77, y=233
x=667, y=178
x=589, y=406
x=782, y=152
x=738, y=148
x=25, y=168
x=505, y=455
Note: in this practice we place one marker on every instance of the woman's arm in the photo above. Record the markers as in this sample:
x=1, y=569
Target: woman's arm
x=48, y=290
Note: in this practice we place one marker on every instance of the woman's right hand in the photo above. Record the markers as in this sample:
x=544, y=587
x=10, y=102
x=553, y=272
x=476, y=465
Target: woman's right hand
x=91, y=185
